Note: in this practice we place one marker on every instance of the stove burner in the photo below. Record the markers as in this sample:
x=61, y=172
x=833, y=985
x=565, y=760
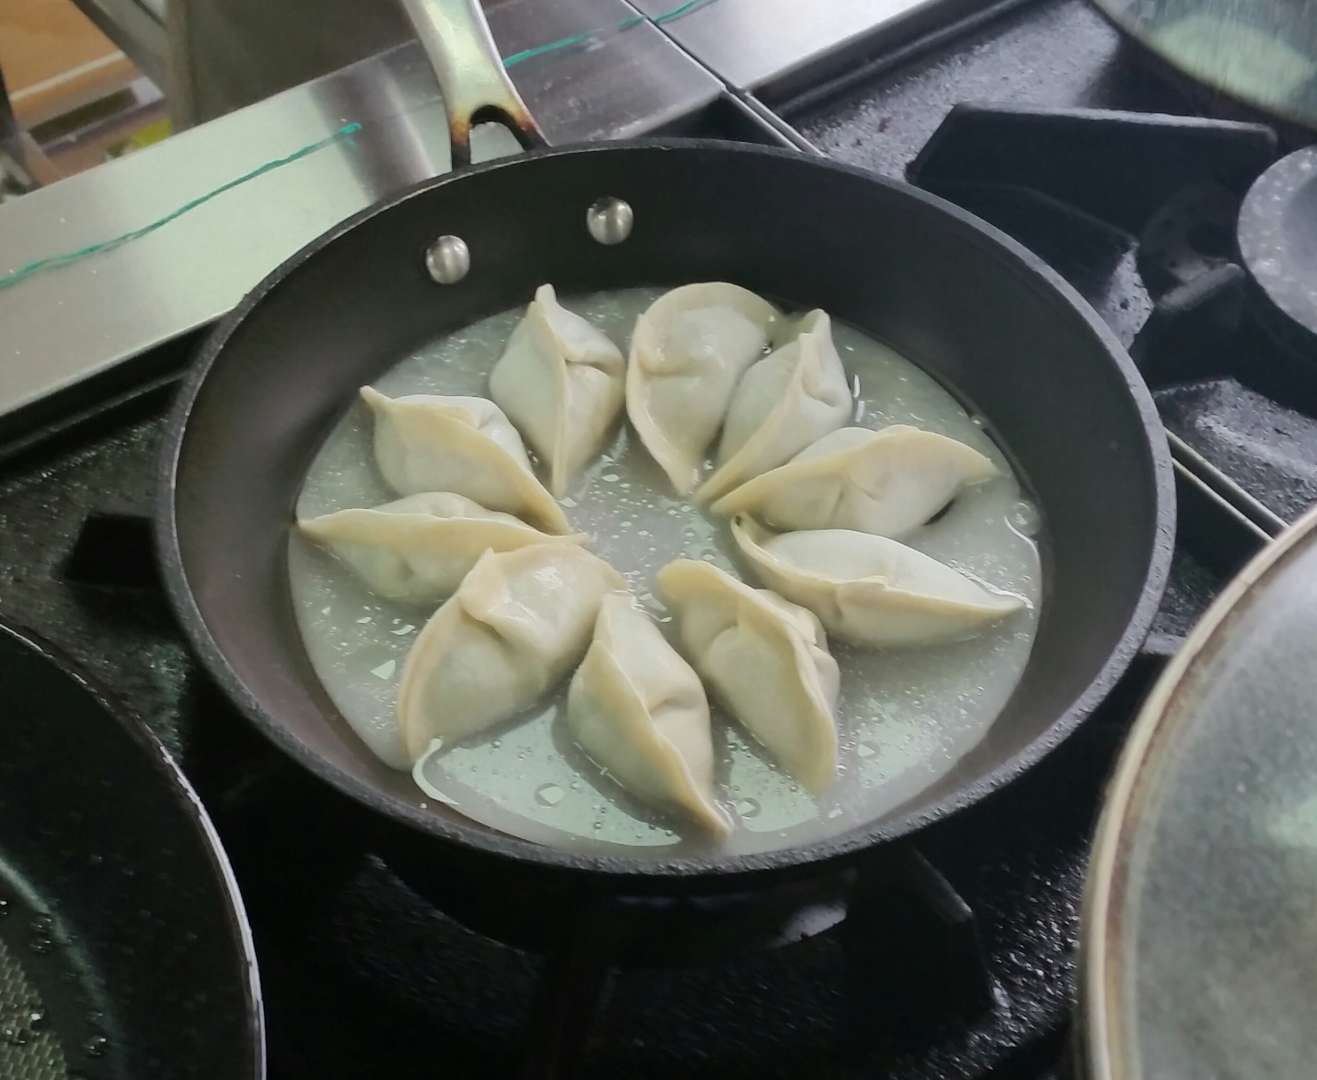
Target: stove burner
x=910, y=944
x=1278, y=242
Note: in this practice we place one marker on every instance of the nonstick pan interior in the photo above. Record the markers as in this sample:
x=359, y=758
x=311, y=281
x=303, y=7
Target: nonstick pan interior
x=968, y=305
x=124, y=952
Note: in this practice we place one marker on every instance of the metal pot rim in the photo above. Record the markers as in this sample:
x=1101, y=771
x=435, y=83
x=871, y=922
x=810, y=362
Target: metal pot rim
x=1155, y=731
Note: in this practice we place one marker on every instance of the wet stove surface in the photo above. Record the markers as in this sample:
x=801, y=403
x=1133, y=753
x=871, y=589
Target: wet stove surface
x=362, y=977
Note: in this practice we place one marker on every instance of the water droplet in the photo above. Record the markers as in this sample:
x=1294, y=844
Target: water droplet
x=43, y=924
x=834, y=813
x=610, y=478
x=976, y=420
x=97, y=1046
x=36, y=1017
x=1024, y=518
x=385, y=670
x=598, y=825
x=364, y=619
x=747, y=808
x=13, y=1035
x=406, y=628
x=41, y=945
x=496, y=743
x=549, y=794
x=568, y=502
x=866, y=750
x=575, y=785
x=4, y=908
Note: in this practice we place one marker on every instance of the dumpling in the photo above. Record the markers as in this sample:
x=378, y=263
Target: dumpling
x=869, y=589
x=766, y=660
x=886, y=482
x=688, y=351
x=519, y=622
x=420, y=547
x=639, y=711
x=782, y=404
x=461, y=444
x=561, y=382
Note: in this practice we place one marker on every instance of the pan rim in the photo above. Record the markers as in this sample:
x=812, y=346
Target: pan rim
x=184, y=796
x=729, y=871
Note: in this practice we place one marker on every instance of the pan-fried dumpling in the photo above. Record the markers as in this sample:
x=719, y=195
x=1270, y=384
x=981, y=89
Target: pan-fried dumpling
x=424, y=442
x=869, y=589
x=886, y=482
x=688, y=351
x=782, y=404
x=766, y=660
x=420, y=547
x=561, y=382
x=639, y=711
x=519, y=622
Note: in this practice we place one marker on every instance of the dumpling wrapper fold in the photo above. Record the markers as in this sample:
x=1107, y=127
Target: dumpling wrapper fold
x=887, y=482
x=868, y=589
x=782, y=404
x=418, y=548
x=639, y=711
x=427, y=442
x=688, y=351
x=517, y=625
x=766, y=660
x=561, y=381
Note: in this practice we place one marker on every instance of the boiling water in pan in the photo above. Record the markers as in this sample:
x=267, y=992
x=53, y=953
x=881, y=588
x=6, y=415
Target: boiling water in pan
x=905, y=716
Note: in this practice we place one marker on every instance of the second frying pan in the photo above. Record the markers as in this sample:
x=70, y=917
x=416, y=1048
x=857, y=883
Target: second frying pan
x=974, y=309
x=124, y=949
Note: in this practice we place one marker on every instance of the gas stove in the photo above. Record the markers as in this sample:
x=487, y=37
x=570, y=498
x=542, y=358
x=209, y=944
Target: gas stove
x=952, y=957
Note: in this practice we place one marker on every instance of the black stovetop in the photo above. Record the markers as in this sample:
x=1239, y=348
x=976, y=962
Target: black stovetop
x=363, y=978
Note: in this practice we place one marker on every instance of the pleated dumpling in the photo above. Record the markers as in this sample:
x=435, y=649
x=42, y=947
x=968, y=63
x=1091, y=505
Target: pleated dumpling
x=466, y=445
x=519, y=622
x=869, y=589
x=561, y=382
x=766, y=660
x=639, y=711
x=886, y=482
x=688, y=351
x=782, y=404
x=419, y=548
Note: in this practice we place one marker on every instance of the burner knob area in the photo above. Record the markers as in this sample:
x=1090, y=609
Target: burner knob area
x=1278, y=243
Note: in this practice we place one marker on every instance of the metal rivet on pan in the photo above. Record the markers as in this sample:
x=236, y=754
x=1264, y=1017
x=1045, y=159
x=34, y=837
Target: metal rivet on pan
x=609, y=219
x=448, y=260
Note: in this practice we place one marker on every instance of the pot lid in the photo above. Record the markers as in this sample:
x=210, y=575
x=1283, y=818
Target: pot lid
x=1264, y=55
x=1200, y=924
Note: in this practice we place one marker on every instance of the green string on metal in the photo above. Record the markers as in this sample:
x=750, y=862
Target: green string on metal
x=52, y=261
x=22, y=273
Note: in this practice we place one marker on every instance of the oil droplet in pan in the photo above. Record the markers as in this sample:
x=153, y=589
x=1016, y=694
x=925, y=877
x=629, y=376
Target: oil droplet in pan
x=1024, y=518
x=549, y=794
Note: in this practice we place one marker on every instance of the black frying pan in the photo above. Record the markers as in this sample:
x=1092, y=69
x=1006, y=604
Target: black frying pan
x=124, y=951
x=976, y=310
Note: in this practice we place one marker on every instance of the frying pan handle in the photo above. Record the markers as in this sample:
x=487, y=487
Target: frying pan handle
x=471, y=77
